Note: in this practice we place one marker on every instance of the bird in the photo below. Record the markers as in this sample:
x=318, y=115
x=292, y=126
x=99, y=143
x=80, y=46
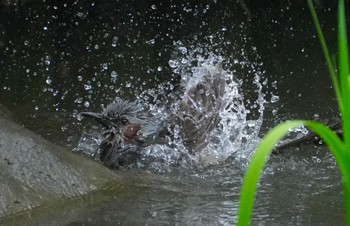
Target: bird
x=127, y=127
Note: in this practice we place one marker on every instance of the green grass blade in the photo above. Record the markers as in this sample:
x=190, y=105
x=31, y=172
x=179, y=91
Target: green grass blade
x=344, y=163
x=264, y=150
x=346, y=189
x=332, y=71
x=341, y=154
x=344, y=70
x=256, y=166
x=332, y=140
x=340, y=149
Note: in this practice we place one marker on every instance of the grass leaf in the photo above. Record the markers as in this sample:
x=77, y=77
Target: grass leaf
x=344, y=70
x=331, y=68
x=339, y=148
x=256, y=166
x=341, y=154
x=332, y=140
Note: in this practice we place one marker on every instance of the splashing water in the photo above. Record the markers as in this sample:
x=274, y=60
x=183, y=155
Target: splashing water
x=235, y=135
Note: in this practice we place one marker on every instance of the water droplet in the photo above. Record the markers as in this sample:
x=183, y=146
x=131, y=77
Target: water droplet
x=26, y=42
x=36, y=108
x=48, y=80
x=224, y=29
x=114, y=41
x=47, y=62
x=183, y=50
x=153, y=7
x=159, y=68
x=45, y=28
x=304, y=130
x=64, y=128
x=80, y=78
x=274, y=98
x=79, y=117
x=251, y=124
x=104, y=66
x=80, y=14
x=274, y=84
x=151, y=41
x=87, y=87
x=86, y=104
x=114, y=74
x=184, y=61
x=55, y=93
x=128, y=85
x=79, y=100
x=172, y=63
x=316, y=159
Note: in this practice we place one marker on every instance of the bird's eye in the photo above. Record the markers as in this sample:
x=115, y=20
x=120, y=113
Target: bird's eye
x=124, y=121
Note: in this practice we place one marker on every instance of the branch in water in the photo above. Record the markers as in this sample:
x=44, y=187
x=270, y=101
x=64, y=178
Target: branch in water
x=311, y=137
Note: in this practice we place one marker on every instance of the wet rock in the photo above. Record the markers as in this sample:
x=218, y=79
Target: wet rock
x=34, y=172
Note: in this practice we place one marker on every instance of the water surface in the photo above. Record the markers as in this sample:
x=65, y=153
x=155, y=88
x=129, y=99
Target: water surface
x=60, y=58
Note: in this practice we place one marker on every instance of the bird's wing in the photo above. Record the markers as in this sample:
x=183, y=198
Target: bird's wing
x=201, y=105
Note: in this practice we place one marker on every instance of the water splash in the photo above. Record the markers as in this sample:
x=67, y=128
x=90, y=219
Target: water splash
x=236, y=134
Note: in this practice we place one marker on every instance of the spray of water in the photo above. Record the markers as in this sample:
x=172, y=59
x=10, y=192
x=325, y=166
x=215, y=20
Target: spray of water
x=235, y=135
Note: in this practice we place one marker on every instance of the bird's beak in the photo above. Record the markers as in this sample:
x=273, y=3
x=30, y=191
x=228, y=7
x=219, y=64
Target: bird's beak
x=99, y=117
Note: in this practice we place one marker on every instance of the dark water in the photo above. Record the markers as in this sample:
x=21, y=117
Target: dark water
x=58, y=58
x=296, y=189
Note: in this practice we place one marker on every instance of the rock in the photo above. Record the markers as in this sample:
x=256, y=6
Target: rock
x=35, y=172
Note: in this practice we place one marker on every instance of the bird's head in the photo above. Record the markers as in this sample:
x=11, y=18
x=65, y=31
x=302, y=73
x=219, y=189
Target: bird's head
x=123, y=122
x=124, y=118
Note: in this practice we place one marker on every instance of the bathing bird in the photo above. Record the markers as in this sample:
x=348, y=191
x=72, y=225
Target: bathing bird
x=127, y=127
